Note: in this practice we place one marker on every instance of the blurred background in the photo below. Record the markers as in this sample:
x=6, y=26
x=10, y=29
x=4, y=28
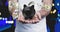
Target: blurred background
x=7, y=24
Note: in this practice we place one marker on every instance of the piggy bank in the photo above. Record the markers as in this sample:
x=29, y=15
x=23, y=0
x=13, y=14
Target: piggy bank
x=28, y=12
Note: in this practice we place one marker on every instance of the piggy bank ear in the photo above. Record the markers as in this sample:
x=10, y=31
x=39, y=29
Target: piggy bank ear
x=32, y=7
x=25, y=6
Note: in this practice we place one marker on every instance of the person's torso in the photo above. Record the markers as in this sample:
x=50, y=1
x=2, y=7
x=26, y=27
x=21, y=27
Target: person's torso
x=38, y=27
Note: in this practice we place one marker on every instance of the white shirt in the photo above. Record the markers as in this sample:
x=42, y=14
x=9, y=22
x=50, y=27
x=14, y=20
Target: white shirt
x=39, y=27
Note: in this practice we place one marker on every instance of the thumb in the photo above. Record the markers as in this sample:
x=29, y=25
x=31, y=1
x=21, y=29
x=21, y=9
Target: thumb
x=39, y=15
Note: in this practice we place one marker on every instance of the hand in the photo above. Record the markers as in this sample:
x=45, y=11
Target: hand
x=35, y=19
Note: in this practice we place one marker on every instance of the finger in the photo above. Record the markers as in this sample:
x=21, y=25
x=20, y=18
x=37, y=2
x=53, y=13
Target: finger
x=27, y=21
x=34, y=22
x=21, y=17
x=35, y=15
x=24, y=22
x=38, y=15
x=35, y=19
x=30, y=21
